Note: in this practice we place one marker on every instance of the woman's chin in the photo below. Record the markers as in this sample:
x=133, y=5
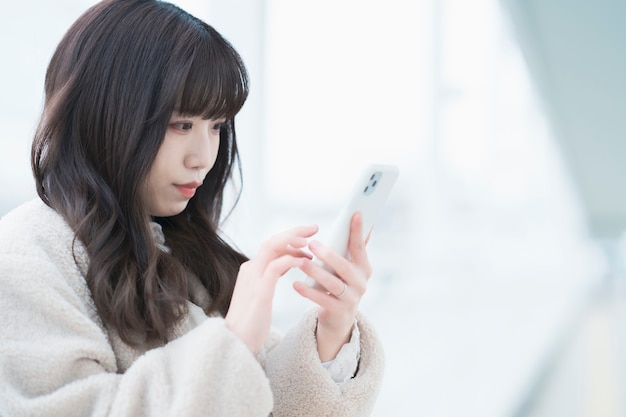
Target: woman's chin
x=170, y=210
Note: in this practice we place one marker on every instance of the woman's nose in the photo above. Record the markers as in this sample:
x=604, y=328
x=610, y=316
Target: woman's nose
x=200, y=152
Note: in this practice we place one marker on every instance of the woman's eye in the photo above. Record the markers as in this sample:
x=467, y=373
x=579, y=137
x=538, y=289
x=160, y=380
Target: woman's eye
x=218, y=127
x=185, y=126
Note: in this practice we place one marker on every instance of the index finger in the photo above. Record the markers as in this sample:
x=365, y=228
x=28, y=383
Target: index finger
x=279, y=244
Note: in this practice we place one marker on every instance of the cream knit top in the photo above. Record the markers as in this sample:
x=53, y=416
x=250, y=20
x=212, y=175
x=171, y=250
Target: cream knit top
x=57, y=358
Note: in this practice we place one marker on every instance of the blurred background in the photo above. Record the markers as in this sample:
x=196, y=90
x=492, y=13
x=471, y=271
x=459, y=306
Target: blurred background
x=499, y=283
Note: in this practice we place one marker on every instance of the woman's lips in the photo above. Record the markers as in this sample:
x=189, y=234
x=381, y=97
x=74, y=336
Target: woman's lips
x=188, y=190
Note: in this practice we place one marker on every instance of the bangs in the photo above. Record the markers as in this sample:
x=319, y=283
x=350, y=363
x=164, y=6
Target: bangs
x=216, y=85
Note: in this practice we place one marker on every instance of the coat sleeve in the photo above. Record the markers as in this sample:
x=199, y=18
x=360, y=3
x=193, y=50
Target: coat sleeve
x=56, y=359
x=303, y=387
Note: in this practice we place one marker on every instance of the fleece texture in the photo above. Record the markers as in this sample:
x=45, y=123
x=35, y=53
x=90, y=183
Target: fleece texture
x=58, y=359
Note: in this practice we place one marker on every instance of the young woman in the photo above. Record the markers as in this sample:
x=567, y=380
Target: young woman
x=117, y=295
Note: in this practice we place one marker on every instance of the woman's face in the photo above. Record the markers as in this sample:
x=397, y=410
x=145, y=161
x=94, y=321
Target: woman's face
x=186, y=155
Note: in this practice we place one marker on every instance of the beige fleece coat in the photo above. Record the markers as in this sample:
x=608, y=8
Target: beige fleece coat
x=57, y=359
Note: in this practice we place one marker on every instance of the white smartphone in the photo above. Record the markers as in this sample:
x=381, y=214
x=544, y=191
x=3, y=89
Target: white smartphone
x=368, y=196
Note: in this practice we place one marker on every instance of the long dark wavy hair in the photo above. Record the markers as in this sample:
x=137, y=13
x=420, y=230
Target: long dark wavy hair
x=110, y=89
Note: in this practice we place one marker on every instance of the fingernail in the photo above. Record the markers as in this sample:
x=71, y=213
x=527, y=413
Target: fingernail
x=314, y=244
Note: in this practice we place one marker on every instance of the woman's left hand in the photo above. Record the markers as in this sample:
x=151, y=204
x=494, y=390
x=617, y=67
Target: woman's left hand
x=344, y=289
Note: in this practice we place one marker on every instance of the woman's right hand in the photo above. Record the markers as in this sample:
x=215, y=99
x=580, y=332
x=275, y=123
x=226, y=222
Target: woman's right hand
x=250, y=312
